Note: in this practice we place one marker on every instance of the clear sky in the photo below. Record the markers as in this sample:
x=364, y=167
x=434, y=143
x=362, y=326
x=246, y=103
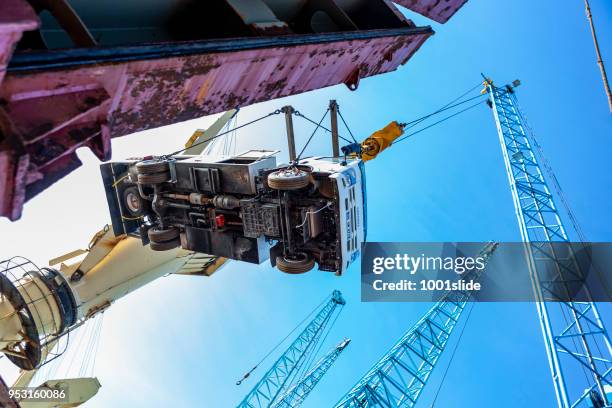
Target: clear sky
x=184, y=341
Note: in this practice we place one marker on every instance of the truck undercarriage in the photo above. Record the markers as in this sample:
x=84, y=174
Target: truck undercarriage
x=244, y=208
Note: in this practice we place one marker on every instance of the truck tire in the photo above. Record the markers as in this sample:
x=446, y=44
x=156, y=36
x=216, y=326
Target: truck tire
x=166, y=245
x=156, y=234
x=133, y=202
x=152, y=166
x=300, y=263
x=288, y=179
x=155, y=178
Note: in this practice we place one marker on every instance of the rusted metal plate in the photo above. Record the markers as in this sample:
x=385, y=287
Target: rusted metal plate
x=16, y=17
x=5, y=400
x=41, y=132
x=55, y=102
x=190, y=87
x=438, y=10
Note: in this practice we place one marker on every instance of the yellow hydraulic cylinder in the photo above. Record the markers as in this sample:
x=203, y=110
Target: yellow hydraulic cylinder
x=380, y=140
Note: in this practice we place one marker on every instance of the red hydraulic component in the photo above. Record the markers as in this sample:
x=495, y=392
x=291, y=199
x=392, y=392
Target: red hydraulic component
x=79, y=76
x=220, y=220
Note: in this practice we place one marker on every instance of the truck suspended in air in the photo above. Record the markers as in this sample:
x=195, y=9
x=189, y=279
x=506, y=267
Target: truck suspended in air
x=236, y=206
x=246, y=207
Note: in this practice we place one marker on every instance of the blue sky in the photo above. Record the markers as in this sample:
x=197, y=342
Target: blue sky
x=184, y=341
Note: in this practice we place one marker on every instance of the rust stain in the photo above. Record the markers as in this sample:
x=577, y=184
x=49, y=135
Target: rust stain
x=204, y=90
x=156, y=93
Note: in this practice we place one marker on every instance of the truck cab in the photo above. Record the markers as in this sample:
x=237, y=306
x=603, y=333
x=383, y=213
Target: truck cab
x=243, y=207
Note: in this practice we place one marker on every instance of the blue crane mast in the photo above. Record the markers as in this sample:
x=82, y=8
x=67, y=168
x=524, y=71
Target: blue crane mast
x=295, y=395
x=274, y=381
x=399, y=377
x=574, y=333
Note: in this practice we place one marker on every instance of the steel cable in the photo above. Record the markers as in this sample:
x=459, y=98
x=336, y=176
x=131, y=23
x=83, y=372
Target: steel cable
x=300, y=115
x=313, y=358
x=447, y=106
x=450, y=362
x=436, y=123
x=284, y=339
x=276, y=112
x=311, y=136
x=346, y=126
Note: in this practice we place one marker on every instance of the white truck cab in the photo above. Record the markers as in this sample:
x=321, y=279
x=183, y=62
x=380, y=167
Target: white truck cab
x=350, y=184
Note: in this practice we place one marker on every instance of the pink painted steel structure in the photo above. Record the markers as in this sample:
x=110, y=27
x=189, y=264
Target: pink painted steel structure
x=438, y=10
x=53, y=101
x=5, y=399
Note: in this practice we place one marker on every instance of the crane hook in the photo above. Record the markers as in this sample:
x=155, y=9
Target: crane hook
x=246, y=376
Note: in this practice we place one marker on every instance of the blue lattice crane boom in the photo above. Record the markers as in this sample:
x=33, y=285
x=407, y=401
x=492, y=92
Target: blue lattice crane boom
x=399, y=377
x=296, y=394
x=274, y=381
x=574, y=333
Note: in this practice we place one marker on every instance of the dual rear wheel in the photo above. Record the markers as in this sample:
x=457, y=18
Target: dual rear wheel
x=153, y=171
x=288, y=179
x=164, y=239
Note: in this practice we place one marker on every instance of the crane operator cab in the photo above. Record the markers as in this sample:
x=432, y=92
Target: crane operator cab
x=243, y=207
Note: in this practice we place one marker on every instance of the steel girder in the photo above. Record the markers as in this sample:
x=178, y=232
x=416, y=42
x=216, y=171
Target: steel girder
x=295, y=396
x=273, y=382
x=574, y=334
x=399, y=377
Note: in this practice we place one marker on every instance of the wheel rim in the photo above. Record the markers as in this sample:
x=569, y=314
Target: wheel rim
x=299, y=258
x=133, y=203
x=290, y=173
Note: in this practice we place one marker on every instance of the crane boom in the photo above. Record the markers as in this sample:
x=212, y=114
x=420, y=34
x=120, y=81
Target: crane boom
x=574, y=334
x=295, y=395
x=266, y=391
x=398, y=378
